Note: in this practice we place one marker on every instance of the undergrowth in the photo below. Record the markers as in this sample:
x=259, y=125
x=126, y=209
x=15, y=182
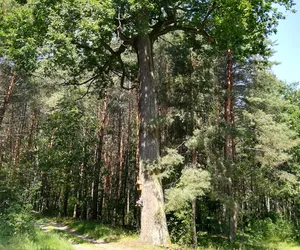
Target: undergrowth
x=37, y=240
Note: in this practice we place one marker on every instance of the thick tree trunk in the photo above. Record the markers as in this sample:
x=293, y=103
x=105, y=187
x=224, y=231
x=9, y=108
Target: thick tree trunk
x=153, y=219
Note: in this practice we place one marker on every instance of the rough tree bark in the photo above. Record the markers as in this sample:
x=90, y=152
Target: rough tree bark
x=153, y=220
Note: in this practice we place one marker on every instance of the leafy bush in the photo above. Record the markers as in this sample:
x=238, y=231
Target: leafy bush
x=15, y=208
x=276, y=230
x=179, y=224
x=16, y=220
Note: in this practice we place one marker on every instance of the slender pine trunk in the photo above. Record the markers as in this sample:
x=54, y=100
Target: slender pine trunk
x=97, y=168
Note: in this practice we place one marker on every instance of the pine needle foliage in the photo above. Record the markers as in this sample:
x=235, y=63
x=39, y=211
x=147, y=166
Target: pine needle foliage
x=193, y=182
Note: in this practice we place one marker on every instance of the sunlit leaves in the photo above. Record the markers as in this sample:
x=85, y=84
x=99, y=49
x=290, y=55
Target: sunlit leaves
x=193, y=182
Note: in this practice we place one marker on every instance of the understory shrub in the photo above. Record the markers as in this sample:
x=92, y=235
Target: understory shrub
x=15, y=208
x=276, y=230
x=179, y=223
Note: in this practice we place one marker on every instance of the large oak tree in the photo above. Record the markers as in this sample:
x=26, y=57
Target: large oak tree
x=86, y=39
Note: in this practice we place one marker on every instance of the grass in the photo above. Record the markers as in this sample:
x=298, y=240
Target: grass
x=284, y=246
x=69, y=236
x=96, y=230
x=38, y=240
x=114, y=235
x=218, y=243
x=129, y=239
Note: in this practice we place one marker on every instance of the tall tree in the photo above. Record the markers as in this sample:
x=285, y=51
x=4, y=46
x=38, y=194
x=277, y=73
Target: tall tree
x=87, y=40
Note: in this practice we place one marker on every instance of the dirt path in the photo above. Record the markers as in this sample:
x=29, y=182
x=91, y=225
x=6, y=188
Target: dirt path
x=86, y=243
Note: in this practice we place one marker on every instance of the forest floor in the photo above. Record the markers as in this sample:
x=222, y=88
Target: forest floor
x=112, y=241
x=82, y=242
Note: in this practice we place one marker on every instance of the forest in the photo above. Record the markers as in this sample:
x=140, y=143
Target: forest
x=159, y=118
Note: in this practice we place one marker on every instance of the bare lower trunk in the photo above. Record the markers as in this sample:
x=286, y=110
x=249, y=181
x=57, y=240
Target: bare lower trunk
x=153, y=219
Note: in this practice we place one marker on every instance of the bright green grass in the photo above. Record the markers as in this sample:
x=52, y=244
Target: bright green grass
x=127, y=238
x=69, y=236
x=276, y=245
x=284, y=246
x=96, y=230
x=39, y=240
x=273, y=246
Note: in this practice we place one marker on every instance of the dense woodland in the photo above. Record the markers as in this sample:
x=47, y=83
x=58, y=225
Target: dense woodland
x=160, y=116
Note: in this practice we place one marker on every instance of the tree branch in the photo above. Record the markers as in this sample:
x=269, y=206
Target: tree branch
x=122, y=80
x=106, y=67
x=119, y=23
x=157, y=28
x=204, y=21
x=168, y=25
x=188, y=30
x=87, y=91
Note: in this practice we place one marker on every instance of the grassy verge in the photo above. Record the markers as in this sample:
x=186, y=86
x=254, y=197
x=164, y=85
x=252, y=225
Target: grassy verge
x=113, y=235
x=129, y=239
x=218, y=243
x=96, y=230
x=92, y=229
x=37, y=240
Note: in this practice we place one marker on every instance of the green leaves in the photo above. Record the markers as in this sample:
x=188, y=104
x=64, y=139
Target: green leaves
x=18, y=44
x=77, y=35
x=265, y=114
x=194, y=182
x=166, y=165
x=274, y=140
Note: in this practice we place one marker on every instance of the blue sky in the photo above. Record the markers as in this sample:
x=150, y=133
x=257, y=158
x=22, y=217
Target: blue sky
x=288, y=48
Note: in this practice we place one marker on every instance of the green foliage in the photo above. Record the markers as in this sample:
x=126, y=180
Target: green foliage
x=268, y=230
x=268, y=137
x=83, y=42
x=179, y=223
x=193, y=183
x=66, y=139
x=274, y=139
x=39, y=240
x=75, y=36
x=166, y=165
x=97, y=230
x=15, y=207
x=16, y=220
x=20, y=219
